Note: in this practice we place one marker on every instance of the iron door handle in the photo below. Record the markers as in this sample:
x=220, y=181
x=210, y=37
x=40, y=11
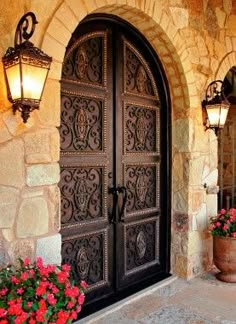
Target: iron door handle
x=115, y=191
x=122, y=190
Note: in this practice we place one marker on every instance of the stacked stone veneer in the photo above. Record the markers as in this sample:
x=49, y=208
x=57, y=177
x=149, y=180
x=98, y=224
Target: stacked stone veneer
x=196, y=43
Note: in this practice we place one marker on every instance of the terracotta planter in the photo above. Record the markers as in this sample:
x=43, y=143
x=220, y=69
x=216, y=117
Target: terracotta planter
x=224, y=256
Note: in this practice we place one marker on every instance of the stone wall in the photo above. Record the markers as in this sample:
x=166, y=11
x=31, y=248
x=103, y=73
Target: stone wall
x=195, y=41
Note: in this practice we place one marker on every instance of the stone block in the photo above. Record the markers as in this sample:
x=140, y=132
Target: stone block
x=64, y=11
x=4, y=133
x=79, y=11
x=211, y=203
x=15, y=124
x=49, y=248
x=180, y=17
x=43, y=174
x=196, y=169
x=49, y=113
x=21, y=249
x=8, y=204
x=42, y=146
x=180, y=222
x=181, y=266
x=183, y=135
x=58, y=31
x=211, y=178
x=201, y=216
x=32, y=192
x=33, y=218
x=3, y=254
x=221, y=16
x=196, y=199
x=53, y=48
x=53, y=200
x=12, y=168
x=180, y=201
x=8, y=234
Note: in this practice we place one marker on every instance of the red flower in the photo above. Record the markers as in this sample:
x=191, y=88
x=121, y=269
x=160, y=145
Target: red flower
x=3, y=312
x=234, y=234
x=26, y=262
x=225, y=227
x=83, y=284
x=66, y=267
x=81, y=299
x=39, y=262
x=21, y=319
x=3, y=291
x=62, y=317
x=20, y=291
x=14, y=280
x=51, y=299
x=24, y=276
x=72, y=292
x=62, y=276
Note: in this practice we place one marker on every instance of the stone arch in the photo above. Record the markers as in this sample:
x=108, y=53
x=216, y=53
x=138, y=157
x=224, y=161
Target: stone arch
x=225, y=65
x=160, y=31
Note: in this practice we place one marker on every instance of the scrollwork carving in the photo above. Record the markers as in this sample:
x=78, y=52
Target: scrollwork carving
x=140, y=129
x=141, y=188
x=85, y=255
x=81, y=194
x=140, y=244
x=81, y=124
x=84, y=61
x=137, y=79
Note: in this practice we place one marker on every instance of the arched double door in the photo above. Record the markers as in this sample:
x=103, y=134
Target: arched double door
x=114, y=159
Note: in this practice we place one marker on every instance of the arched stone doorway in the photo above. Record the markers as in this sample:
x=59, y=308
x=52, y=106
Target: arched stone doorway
x=115, y=175
x=171, y=49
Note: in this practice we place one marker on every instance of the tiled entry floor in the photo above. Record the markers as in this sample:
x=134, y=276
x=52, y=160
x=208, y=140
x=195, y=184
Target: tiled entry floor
x=174, y=301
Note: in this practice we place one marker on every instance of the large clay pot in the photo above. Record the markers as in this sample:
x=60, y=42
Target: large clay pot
x=224, y=256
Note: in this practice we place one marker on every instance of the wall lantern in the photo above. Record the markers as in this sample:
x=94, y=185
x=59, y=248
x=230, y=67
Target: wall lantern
x=26, y=68
x=215, y=106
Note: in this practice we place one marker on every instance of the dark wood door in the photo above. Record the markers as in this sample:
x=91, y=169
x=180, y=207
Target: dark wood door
x=111, y=159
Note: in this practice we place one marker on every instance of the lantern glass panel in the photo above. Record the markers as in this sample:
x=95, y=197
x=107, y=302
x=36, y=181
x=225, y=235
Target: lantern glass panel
x=217, y=114
x=33, y=79
x=14, y=82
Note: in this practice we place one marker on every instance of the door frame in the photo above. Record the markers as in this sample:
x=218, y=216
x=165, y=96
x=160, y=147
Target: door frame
x=165, y=141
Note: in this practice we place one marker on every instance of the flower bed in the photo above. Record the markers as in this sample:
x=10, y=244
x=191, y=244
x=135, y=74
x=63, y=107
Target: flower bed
x=38, y=293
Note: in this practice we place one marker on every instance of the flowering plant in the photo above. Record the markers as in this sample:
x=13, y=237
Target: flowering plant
x=224, y=224
x=38, y=293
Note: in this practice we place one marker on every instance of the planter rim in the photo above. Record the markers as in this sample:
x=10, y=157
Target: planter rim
x=224, y=237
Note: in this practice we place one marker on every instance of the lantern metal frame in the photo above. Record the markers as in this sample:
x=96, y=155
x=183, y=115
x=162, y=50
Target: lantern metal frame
x=215, y=98
x=24, y=52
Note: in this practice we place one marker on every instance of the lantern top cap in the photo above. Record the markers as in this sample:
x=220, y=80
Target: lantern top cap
x=215, y=93
x=22, y=45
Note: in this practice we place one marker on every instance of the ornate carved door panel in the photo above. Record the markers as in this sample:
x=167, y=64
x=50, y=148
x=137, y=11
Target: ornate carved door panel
x=138, y=165
x=111, y=215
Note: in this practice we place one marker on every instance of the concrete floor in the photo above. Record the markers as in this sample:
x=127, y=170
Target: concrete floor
x=203, y=300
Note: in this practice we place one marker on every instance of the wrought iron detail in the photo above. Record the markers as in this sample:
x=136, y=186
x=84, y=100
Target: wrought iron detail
x=87, y=256
x=82, y=122
x=82, y=262
x=82, y=194
x=140, y=244
x=142, y=187
x=141, y=129
x=86, y=60
x=138, y=77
